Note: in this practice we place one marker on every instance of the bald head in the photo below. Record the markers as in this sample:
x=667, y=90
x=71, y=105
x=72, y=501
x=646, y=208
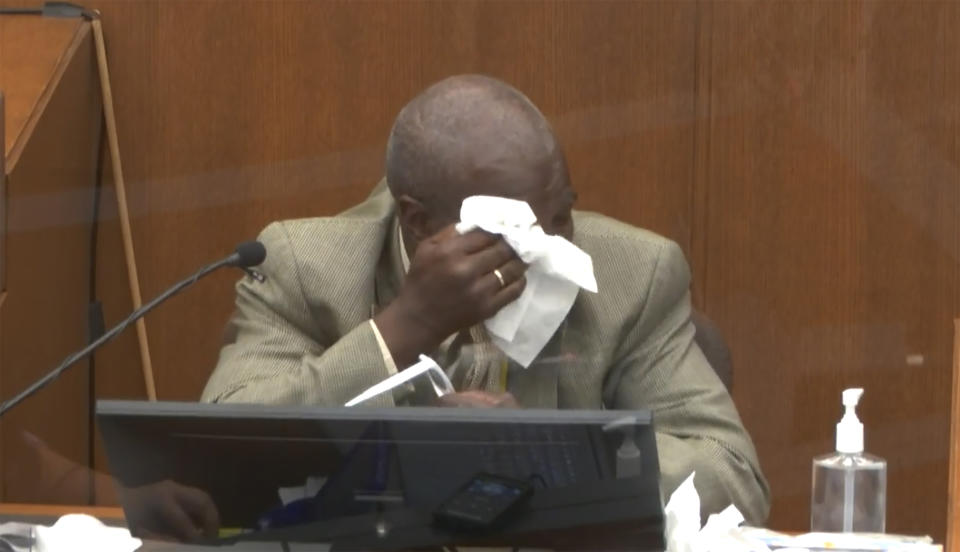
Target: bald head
x=456, y=130
x=474, y=135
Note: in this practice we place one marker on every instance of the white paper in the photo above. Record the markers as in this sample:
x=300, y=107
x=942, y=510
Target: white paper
x=308, y=490
x=850, y=542
x=291, y=494
x=83, y=533
x=557, y=269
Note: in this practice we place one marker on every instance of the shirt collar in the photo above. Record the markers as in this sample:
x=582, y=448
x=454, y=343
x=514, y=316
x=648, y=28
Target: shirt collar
x=404, y=259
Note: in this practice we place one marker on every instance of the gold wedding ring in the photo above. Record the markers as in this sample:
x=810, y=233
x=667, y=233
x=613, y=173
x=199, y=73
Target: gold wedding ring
x=496, y=272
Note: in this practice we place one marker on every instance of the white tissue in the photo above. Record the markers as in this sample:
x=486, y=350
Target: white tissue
x=682, y=517
x=83, y=533
x=721, y=533
x=557, y=270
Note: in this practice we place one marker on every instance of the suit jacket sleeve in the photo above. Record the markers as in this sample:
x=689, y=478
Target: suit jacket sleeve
x=660, y=368
x=277, y=352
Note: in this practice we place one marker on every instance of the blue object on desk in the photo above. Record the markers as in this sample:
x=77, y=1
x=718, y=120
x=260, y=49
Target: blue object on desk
x=368, y=460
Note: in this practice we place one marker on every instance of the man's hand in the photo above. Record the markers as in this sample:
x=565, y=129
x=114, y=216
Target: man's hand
x=479, y=399
x=451, y=285
x=167, y=510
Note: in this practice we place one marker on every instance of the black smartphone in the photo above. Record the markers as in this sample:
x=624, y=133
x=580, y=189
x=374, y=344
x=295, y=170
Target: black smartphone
x=482, y=502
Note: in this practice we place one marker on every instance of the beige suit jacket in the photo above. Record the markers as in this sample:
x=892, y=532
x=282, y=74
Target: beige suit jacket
x=303, y=337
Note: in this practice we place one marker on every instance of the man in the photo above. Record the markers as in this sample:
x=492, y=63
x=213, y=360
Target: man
x=350, y=299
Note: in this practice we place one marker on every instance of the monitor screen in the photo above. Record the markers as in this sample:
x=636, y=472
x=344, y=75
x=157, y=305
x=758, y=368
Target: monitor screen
x=344, y=475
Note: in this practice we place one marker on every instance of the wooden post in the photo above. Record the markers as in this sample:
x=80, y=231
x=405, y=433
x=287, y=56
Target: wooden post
x=953, y=488
x=121, y=192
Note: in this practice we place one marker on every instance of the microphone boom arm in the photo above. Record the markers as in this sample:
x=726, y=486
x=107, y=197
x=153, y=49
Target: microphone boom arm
x=113, y=332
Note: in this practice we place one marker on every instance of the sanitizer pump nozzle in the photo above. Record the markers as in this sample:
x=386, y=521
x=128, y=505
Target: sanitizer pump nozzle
x=849, y=429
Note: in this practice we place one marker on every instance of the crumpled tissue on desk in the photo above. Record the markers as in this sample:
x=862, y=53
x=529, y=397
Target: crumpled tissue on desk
x=723, y=533
x=71, y=533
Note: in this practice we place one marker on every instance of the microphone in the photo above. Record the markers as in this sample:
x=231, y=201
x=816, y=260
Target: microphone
x=249, y=253
x=246, y=254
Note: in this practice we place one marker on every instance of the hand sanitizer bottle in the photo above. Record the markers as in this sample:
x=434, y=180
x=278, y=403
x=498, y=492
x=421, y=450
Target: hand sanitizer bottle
x=849, y=487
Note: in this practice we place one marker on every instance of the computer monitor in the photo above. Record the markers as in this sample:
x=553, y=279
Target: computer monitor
x=385, y=472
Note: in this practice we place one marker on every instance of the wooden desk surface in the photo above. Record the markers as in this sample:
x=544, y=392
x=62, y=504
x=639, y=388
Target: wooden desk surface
x=57, y=510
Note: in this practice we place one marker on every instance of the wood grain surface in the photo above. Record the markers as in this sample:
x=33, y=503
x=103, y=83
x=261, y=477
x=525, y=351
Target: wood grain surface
x=105, y=513
x=831, y=194
x=30, y=53
x=49, y=213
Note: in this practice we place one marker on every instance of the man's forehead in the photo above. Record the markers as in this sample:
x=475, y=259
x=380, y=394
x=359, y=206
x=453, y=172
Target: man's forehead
x=528, y=178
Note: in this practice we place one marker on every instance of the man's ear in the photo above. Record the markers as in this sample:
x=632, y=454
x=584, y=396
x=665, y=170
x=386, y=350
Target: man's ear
x=414, y=218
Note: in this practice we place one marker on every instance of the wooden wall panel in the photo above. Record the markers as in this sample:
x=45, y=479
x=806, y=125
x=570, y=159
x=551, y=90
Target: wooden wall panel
x=831, y=188
x=49, y=215
x=29, y=52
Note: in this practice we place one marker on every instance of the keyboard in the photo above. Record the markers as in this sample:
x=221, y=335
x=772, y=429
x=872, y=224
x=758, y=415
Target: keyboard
x=547, y=455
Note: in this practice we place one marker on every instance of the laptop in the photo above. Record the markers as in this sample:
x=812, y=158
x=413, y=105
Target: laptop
x=369, y=478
